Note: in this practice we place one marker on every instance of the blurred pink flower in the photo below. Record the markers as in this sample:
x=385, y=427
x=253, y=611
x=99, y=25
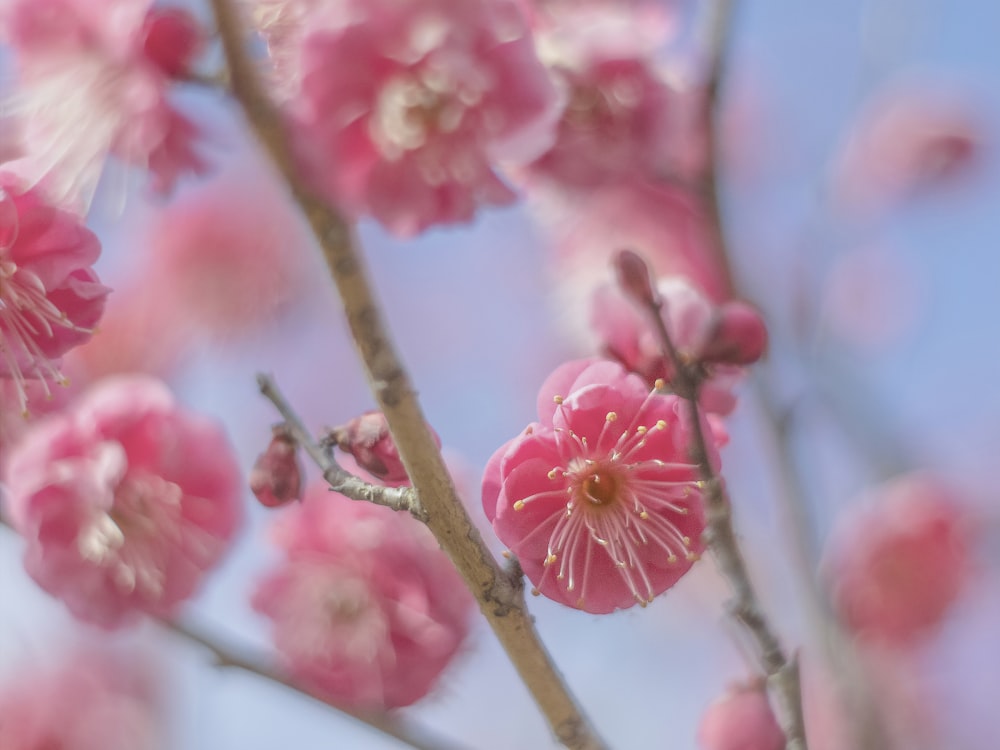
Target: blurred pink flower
x=907, y=141
x=366, y=610
x=92, y=702
x=599, y=500
x=50, y=297
x=719, y=336
x=406, y=106
x=226, y=257
x=125, y=501
x=742, y=719
x=896, y=565
x=87, y=87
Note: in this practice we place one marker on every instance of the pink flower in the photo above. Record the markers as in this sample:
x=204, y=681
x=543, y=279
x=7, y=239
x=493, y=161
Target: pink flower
x=406, y=105
x=741, y=720
x=50, y=298
x=367, y=611
x=718, y=336
x=90, y=84
x=599, y=500
x=896, y=565
x=125, y=501
x=910, y=140
x=92, y=702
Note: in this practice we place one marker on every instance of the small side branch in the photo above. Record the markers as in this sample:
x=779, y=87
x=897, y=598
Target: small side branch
x=339, y=479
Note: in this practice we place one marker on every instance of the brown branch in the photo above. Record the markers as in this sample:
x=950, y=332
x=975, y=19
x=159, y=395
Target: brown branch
x=226, y=657
x=339, y=479
x=501, y=598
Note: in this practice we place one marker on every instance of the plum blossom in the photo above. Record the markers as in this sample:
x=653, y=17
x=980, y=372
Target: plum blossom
x=599, y=499
x=92, y=701
x=92, y=80
x=125, y=501
x=368, y=440
x=742, y=719
x=897, y=564
x=50, y=297
x=366, y=610
x=404, y=107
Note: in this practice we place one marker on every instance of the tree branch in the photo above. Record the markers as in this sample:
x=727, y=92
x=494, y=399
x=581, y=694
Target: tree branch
x=501, y=599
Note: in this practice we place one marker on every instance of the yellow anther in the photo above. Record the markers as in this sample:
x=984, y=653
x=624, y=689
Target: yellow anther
x=550, y=559
x=693, y=556
x=553, y=474
x=519, y=505
x=611, y=416
x=672, y=558
x=644, y=515
x=686, y=540
x=659, y=384
x=661, y=425
x=535, y=592
x=641, y=430
x=506, y=554
x=557, y=399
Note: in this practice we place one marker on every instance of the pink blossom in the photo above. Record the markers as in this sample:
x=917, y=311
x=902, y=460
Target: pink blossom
x=366, y=610
x=125, y=501
x=599, y=500
x=896, y=565
x=89, y=86
x=92, y=702
x=741, y=720
x=909, y=140
x=50, y=297
x=405, y=106
x=718, y=336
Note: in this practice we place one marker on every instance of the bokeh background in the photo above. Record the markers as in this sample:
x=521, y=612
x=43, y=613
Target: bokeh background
x=885, y=357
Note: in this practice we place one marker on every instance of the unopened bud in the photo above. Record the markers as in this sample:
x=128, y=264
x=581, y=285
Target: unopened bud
x=367, y=439
x=739, y=336
x=634, y=277
x=276, y=477
x=741, y=720
x=172, y=39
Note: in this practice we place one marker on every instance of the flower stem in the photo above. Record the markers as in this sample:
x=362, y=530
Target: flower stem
x=500, y=597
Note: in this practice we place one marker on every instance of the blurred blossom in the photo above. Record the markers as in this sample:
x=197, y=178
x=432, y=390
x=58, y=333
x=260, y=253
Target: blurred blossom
x=125, y=501
x=87, y=88
x=366, y=610
x=224, y=258
x=276, y=476
x=897, y=564
x=741, y=719
x=598, y=499
x=405, y=107
x=908, y=141
x=50, y=297
x=91, y=702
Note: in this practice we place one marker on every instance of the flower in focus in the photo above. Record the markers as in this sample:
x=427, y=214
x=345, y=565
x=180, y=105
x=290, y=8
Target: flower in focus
x=405, y=107
x=908, y=141
x=897, y=565
x=50, y=297
x=92, y=702
x=599, y=500
x=366, y=610
x=125, y=501
x=92, y=81
x=741, y=720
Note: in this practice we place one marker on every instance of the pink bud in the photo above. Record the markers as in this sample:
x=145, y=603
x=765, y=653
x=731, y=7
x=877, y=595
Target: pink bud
x=738, y=338
x=276, y=477
x=173, y=38
x=634, y=277
x=741, y=720
x=367, y=438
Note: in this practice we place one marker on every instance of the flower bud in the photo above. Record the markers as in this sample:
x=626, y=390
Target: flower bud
x=367, y=438
x=739, y=336
x=276, y=477
x=741, y=720
x=634, y=277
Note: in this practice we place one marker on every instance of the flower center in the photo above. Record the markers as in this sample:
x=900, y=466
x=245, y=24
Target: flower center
x=599, y=487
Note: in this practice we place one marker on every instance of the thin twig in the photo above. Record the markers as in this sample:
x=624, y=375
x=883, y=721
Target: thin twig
x=720, y=538
x=339, y=478
x=501, y=598
x=226, y=657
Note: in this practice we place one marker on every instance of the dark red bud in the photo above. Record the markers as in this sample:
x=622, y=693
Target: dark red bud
x=276, y=477
x=172, y=39
x=634, y=277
